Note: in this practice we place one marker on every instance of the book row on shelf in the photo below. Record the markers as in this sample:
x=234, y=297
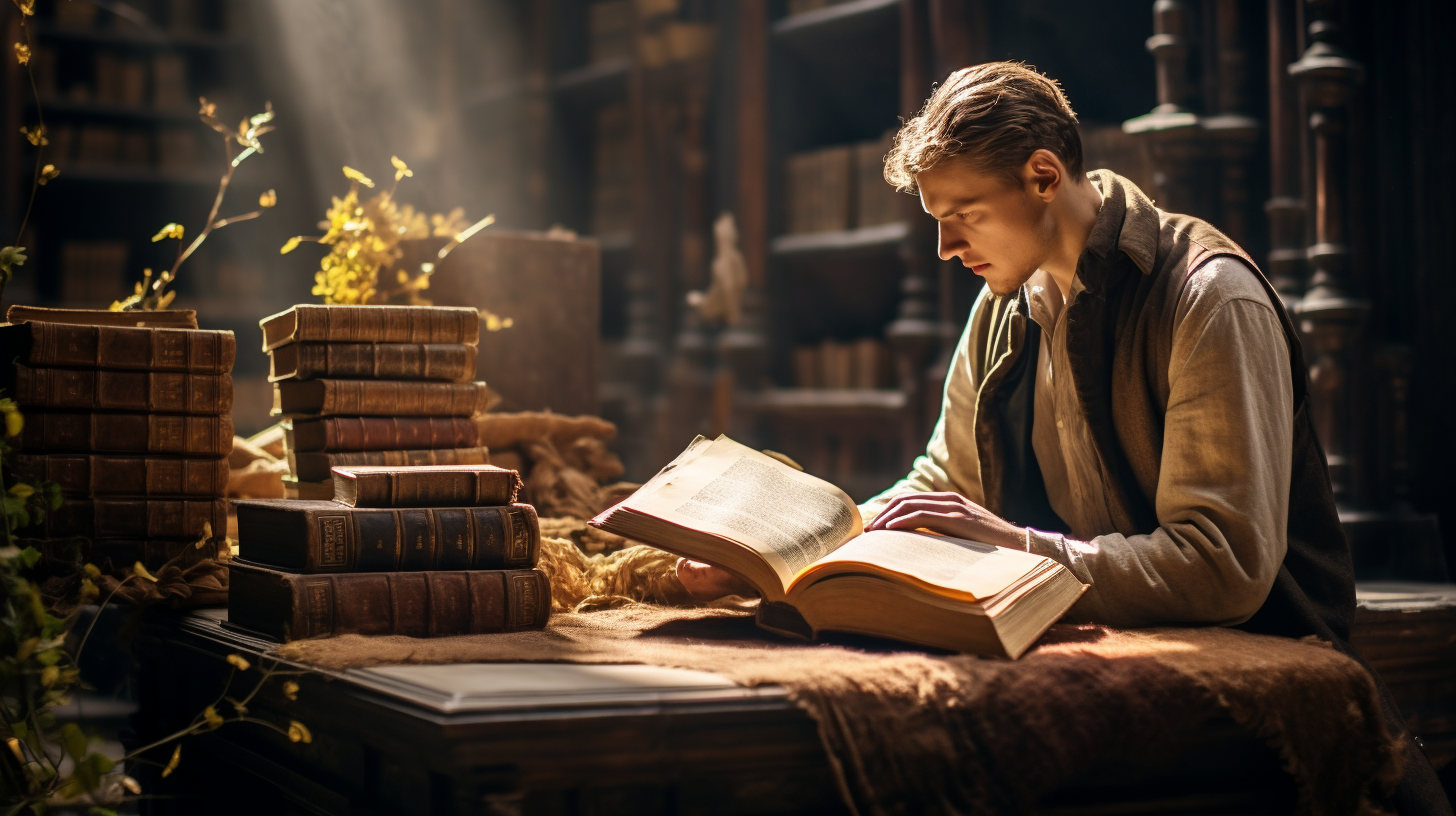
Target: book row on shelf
x=158, y=82
x=612, y=184
x=172, y=149
x=142, y=17
x=609, y=31
x=860, y=364
x=839, y=188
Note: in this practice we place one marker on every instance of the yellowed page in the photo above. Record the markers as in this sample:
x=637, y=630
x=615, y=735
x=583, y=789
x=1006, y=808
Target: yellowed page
x=969, y=570
x=789, y=518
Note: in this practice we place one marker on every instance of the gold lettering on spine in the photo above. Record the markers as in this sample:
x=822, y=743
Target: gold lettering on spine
x=519, y=534
x=333, y=540
x=523, y=601
x=319, y=607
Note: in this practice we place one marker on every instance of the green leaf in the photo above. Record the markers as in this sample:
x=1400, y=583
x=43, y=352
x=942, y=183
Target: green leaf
x=100, y=811
x=74, y=741
x=89, y=771
x=53, y=496
x=20, y=730
x=29, y=557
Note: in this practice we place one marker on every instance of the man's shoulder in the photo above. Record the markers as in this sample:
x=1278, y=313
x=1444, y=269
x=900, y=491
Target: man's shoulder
x=1218, y=281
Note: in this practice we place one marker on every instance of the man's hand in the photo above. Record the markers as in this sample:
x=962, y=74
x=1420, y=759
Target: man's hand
x=709, y=583
x=948, y=514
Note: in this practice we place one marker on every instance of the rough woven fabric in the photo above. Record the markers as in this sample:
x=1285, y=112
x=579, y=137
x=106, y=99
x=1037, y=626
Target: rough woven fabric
x=909, y=732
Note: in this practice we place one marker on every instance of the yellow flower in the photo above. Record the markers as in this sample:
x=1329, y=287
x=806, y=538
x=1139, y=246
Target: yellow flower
x=355, y=175
x=47, y=173
x=400, y=168
x=298, y=732
x=49, y=675
x=139, y=569
x=92, y=571
x=268, y=199
x=214, y=719
x=291, y=245
x=290, y=690
x=239, y=662
x=14, y=420
x=15, y=749
x=27, y=7
x=36, y=137
x=172, y=763
x=172, y=230
x=22, y=53
x=22, y=491
x=131, y=786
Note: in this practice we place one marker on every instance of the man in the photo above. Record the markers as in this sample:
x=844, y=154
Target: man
x=1128, y=398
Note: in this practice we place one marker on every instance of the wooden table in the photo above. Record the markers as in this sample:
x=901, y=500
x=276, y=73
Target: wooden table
x=571, y=739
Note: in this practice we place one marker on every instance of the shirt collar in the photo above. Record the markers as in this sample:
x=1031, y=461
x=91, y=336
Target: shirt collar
x=1128, y=221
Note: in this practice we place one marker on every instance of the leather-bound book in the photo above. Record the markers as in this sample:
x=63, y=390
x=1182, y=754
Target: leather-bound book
x=287, y=606
x=136, y=518
x=83, y=474
x=313, y=323
x=161, y=318
x=127, y=433
x=317, y=466
x=378, y=398
x=438, y=486
x=324, y=536
x=90, y=389
x=193, y=351
x=450, y=362
x=114, y=555
x=380, y=433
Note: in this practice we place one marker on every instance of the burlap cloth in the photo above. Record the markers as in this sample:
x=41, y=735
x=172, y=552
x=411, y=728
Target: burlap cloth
x=911, y=732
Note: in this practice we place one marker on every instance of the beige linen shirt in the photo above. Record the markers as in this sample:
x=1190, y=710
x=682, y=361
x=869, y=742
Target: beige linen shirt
x=1226, y=448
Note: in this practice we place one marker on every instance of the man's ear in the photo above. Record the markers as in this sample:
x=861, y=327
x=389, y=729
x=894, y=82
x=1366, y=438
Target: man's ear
x=1043, y=174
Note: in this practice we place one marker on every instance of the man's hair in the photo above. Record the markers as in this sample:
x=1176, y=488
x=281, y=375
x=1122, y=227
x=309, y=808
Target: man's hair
x=994, y=115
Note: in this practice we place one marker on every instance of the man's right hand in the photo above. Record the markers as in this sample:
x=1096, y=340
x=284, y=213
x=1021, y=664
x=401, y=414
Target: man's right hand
x=706, y=582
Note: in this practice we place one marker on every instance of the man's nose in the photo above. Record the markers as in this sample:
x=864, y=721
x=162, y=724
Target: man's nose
x=950, y=245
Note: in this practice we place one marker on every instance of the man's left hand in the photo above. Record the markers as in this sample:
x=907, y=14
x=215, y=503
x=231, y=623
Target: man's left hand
x=948, y=514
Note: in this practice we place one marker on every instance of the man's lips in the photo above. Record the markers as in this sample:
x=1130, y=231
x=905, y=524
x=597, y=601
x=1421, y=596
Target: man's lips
x=980, y=269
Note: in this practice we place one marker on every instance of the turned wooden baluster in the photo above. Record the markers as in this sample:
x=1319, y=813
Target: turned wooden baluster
x=1285, y=206
x=1172, y=127
x=1329, y=315
x=1234, y=133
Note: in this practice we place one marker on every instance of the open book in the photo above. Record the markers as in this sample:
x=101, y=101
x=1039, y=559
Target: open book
x=800, y=542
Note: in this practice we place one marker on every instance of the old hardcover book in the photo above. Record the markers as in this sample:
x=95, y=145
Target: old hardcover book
x=161, y=319
x=451, y=362
x=317, y=466
x=137, y=518
x=149, y=391
x=194, y=351
x=379, y=433
x=287, y=606
x=116, y=554
x=82, y=474
x=324, y=536
x=378, y=398
x=800, y=542
x=438, y=486
x=127, y=433
x=295, y=488
x=306, y=323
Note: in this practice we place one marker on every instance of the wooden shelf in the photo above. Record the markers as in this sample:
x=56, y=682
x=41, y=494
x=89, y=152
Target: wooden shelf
x=881, y=237
x=139, y=38
x=68, y=108
x=840, y=21
x=615, y=242
x=593, y=85
x=820, y=403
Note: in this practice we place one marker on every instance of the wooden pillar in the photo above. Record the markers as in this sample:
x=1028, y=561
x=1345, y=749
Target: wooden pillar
x=1172, y=127
x=1285, y=206
x=1233, y=132
x=916, y=331
x=641, y=352
x=1329, y=315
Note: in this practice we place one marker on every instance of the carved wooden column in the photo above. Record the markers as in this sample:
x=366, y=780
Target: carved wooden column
x=1234, y=133
x=1285, y=205
x=916, y=331
x=1330, y=316
x=641, y=351
x=1172, y=127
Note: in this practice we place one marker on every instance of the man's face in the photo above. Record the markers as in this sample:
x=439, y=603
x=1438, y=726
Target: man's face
x=999, y=230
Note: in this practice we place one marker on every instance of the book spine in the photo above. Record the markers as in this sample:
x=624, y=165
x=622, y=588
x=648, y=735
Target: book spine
x=387, y=361
x=112, y=555
x=435, y=488
x=349, y=540
x=387, y=398
x=428, y=604
x=128, y=433
x=137, y=518
x=87, y=475
x=316, y=466
x=149, y=391
x=388, y=433
x=181, y=350
x=366, y=324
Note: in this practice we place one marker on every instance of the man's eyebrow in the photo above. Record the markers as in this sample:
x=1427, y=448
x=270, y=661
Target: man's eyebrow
x=957, y=205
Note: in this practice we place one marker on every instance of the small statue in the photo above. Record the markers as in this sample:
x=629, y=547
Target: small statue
x=723, y=300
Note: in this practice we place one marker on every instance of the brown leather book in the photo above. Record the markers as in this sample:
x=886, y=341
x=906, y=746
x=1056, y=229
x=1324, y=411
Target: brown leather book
x=162, y=319
x=114, y=555
x=287, y=606
x=136, y=518
x=324, y=536
x=438, y=486
x=310, y=491
x=316, y=323
x=378, y=398
x=451, y=362
x=82, y=474
x=127, y=433
x=314, y=467
x=194, y=351
x=150, y=391
x=379, y=433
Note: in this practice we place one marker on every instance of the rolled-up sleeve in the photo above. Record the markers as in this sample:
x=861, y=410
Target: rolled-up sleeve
x=1223, y=490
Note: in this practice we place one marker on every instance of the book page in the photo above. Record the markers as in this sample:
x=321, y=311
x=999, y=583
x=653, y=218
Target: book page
x=789, y=518
x=965, y=569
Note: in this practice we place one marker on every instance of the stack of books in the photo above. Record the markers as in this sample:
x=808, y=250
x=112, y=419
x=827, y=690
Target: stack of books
x=373, y=385
x=417, y=551
x=134, y=424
